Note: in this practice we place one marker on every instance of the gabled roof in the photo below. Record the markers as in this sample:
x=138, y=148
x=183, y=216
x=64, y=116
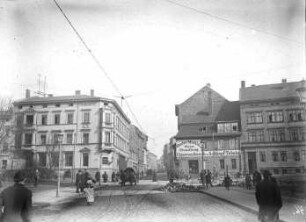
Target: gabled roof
x=286, y=90
x=230, y=111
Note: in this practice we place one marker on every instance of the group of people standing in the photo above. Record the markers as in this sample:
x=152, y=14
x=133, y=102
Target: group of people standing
x=205, y=177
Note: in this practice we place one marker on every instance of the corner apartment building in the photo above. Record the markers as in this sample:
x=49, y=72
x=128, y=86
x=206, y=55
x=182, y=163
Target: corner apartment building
x=94, y=131
x=273, y=119
x=208, y=134
x=138, y=150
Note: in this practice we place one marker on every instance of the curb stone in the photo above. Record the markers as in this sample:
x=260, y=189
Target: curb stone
x=250, y=210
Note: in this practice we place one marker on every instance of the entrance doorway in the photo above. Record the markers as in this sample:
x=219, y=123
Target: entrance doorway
x=252, y=162
x=193, y=166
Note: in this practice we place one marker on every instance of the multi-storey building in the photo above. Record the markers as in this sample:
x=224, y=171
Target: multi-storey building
x=94, y=132
x=208, y=134
x=138, y=149
x=273, y=118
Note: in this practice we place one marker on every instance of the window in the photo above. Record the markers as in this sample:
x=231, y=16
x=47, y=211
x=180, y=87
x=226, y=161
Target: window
x=276, y=135
x=85, y=138
x=69, y=118
x=45, y=106
x=296, y=156
x=275, y=116
x=68, y=159
x=297, y=134
x=234, y=164
x=43, y=139
x=227, y=127
x=86, y=117
x=44, y=119
x=57, y=119
x=107, y=138
x=284, y=171
x=54, y=158
x=4, y=164
x=108, y=118
x=262, y=155
x=104, y=160
x=221, y=164
x=274, y=156
x=296, y=115
x=256, y=136
x=42, y=159
x=275, y=171
x=28, y=139
x=283, y=155
x=69, y=138
x=254, y=117
x=56, y=138
x=29, y=119
x=85, y=159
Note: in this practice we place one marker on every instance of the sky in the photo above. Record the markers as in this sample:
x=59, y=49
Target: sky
x=157, y=53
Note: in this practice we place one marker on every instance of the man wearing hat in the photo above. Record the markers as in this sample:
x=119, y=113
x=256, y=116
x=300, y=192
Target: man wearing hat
x=268, y=198
x=16, y=200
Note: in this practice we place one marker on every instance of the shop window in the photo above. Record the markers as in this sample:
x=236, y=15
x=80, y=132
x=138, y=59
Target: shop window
x=234, y=164
x=222, y=164
x=262, y=156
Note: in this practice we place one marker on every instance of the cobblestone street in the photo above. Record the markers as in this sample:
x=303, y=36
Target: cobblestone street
x=143, y=203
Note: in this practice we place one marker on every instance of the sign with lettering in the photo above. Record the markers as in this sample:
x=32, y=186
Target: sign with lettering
x=193, y=149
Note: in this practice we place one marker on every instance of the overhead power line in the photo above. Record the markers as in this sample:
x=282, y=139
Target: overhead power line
x=233, y=22
x=97, y=61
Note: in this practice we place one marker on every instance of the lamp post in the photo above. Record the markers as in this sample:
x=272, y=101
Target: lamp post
x=59, y=140
x=202, y=149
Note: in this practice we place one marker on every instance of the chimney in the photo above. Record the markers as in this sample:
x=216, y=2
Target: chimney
x=28, y=93
x=284, y=80
x=243, y=84
x=92, y=92
x=77, y=92
x=208, y=85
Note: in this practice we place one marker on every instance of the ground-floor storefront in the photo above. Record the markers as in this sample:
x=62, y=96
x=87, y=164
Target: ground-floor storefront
x=281, y=161
x=192, y=157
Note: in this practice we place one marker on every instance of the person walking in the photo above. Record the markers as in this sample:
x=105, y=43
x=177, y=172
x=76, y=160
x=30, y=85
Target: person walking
x=113, y=177
x=36, y=177
x=208, y=179
x=89, y=192
x=78, y=181
x=16, y=201
x=98, y=177
x=227, y=182
x=122, y=178
x=268, y=198
x=248, y=181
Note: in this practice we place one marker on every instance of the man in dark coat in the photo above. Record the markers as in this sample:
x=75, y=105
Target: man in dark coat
x=122, y=177
x=269, y=199
x=17, y=201
x=78, y=182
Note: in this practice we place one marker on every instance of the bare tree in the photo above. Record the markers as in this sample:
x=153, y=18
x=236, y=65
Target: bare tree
x=6, y=114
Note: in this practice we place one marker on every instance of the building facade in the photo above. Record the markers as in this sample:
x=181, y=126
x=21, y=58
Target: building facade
x=138, y=150
x=208, y=134
x=94, y=133
x=273, y=121
x=152, y=161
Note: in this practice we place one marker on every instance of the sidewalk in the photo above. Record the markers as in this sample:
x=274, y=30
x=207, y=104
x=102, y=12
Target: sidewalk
x=293, y=210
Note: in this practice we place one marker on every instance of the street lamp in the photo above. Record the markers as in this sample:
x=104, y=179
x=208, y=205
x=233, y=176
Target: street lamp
x=59, y=140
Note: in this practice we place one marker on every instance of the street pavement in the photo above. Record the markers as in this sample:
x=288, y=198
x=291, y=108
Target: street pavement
x=293, y=209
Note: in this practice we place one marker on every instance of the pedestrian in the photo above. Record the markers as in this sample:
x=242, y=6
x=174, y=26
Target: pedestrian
x=78, y=181
x=227, y=182
x=113, y=177
x=98, y=177
x=36, y=177
x=89, y=192
x=256, y=178
x=268, y=198
x=202, y=177
x=208, y=179
x=16, y=201
x=122, y=178
x=248, y=181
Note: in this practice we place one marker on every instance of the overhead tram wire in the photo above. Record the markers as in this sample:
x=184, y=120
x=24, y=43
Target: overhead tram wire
x=89, y=50
x=96, y=60
x=234, y=23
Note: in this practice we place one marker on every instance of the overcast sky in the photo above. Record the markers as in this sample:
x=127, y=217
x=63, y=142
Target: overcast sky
x=160, y=52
